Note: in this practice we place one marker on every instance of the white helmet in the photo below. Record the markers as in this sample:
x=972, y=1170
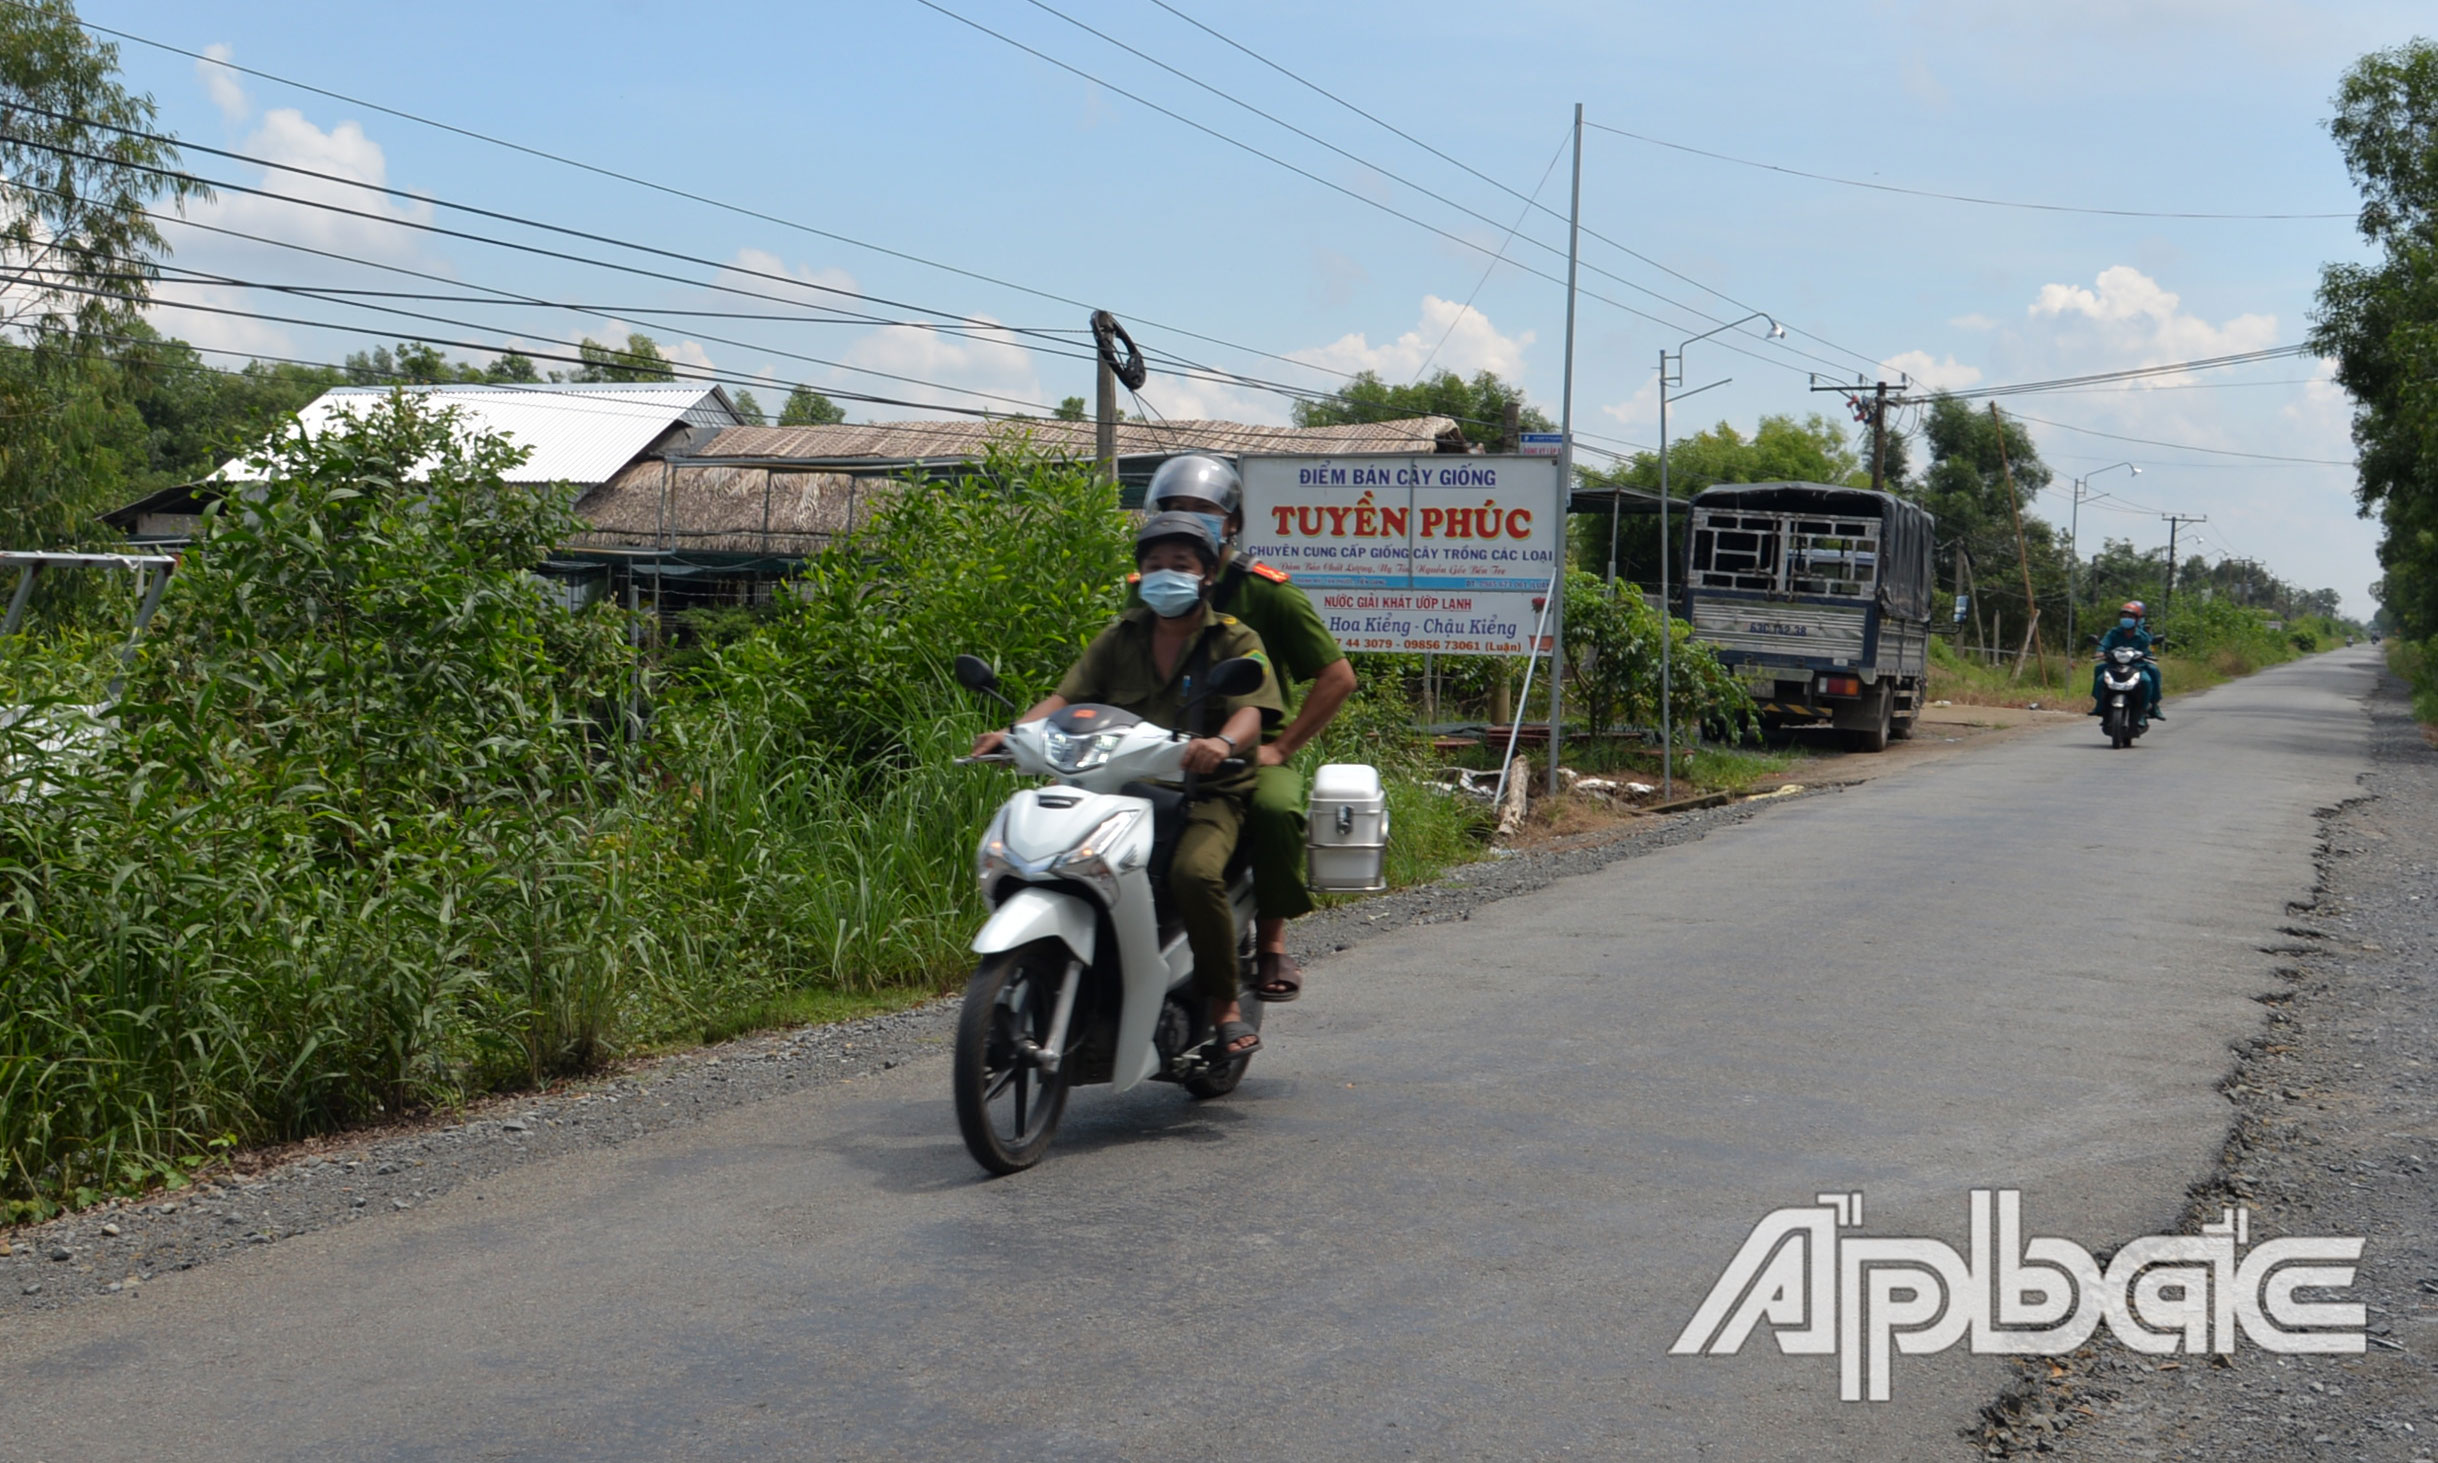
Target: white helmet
x=1197, y=476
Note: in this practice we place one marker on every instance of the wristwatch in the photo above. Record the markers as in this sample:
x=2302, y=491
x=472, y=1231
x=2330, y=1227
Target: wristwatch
x=1231, y=742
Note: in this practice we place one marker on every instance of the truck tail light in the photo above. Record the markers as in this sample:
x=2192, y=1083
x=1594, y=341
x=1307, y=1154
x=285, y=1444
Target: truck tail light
x=1839, y=686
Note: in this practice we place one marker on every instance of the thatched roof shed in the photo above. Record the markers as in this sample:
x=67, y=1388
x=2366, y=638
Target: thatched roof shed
x=786, y=491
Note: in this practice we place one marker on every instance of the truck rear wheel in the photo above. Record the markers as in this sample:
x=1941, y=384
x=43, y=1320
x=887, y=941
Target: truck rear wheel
x=1873, y=735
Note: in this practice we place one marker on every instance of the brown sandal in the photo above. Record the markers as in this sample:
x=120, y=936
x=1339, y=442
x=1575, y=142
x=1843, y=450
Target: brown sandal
x=1279, y=978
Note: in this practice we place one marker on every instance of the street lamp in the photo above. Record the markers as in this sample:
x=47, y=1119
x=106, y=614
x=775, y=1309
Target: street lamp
x=1667, y=611
x=2074, y=546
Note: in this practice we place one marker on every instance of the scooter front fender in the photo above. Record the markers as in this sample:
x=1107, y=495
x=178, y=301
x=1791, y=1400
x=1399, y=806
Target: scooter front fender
x=1039, y=914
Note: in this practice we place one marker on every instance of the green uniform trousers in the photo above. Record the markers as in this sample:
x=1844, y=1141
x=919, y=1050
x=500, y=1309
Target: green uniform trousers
x=1197, y=887
x=1277, y=831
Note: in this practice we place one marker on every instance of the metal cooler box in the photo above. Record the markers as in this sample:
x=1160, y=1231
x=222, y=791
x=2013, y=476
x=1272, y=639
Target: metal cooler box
x=1346, y=835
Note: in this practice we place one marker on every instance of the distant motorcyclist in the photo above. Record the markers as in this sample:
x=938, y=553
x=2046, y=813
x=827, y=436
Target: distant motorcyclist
x=2131, y=628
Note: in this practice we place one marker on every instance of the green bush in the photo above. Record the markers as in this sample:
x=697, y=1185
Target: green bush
x=1612, y=662
x=337, y=848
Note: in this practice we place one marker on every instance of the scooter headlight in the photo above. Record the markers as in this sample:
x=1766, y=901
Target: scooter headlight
x=1079, y=751
x=1096, y=861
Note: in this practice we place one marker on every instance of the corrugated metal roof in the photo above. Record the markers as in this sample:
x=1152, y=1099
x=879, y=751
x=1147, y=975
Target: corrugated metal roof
x=904, y=441
x=579, y=433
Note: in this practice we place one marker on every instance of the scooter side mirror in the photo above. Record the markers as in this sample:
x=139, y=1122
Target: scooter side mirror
x=974, y=674
x=1239, y=677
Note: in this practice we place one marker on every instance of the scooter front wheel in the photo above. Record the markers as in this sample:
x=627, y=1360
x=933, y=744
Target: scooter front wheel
x=1007, y=1106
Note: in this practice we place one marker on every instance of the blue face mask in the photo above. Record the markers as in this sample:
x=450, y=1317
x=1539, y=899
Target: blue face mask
x=1171, y=592
x=1216, y=523
x=2126, y=622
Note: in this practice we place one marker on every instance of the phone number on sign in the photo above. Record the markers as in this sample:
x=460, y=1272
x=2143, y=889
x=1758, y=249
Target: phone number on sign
x=1448, y=647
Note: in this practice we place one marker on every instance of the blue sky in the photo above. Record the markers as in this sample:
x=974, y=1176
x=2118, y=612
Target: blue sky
x=892, y=124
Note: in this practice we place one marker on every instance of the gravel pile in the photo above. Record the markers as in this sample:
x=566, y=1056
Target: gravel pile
x=113, y=1251
x=2336, y=1133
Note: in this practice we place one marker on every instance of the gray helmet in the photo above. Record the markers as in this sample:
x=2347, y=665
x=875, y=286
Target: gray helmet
x=1184, y=526
x=1198, y=476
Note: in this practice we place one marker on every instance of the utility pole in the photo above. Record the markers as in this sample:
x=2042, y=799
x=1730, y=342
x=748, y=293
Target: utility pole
x=1876, y=413
x=1104, y=442
x=1566, y=473
x=2174, y=522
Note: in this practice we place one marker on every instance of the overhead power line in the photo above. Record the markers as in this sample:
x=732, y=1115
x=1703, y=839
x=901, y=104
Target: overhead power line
x=1530, y=202
x=672, y=191
x=2187, y=446
x=678, y=369
x=1394, y=212
x=2168, y=368
x=1950, y=197
x=585, y=235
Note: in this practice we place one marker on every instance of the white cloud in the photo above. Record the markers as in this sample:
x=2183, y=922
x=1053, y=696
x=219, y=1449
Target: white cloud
x=227, y=93
x=1974, y=322
x=369, y=229
x=751, y=269
x=1471, y=344
x=1183, y=398
x=990, y=359
x=1640, y=409
x=1924, y=370
x=2129, y=308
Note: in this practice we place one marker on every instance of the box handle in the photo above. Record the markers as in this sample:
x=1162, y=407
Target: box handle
x=1345, y=819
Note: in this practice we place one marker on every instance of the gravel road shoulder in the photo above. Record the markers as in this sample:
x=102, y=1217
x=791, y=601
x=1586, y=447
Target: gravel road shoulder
x=2336, y=1133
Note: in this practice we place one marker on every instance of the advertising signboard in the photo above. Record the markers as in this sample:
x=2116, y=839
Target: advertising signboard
x=1442, y=553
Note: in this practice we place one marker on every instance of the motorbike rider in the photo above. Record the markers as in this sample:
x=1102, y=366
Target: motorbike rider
x=1145, y=663
x=2131, y=628
x=1301, y=649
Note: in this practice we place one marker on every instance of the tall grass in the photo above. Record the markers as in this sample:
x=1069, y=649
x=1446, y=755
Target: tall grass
x=367, y=830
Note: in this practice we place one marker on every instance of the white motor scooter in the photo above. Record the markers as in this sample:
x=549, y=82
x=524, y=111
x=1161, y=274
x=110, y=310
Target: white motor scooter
x=1086, y=975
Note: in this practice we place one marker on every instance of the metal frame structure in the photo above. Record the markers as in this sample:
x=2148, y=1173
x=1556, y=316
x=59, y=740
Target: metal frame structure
x=30, y=564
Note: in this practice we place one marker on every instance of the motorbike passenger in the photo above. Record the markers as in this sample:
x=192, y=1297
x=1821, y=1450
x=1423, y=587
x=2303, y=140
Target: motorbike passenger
x=1301, y=649
x=2131, y=628
x=1145, y=663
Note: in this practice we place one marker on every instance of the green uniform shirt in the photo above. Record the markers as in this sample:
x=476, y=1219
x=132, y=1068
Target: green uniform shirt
x=1117, y=670
x=1300, y=646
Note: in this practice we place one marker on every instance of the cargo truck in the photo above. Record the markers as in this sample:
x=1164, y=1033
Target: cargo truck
x=1818, y=598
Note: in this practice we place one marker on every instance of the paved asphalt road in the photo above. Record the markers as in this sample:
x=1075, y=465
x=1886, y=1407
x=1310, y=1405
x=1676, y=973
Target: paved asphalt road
x=1462, y=1205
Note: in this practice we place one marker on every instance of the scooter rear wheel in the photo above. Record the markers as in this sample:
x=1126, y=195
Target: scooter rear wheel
x=1223, y=1081
x=1007, y=1107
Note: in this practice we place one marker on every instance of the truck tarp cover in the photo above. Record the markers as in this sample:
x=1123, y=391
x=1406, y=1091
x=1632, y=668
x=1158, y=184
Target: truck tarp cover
x=1907, y=532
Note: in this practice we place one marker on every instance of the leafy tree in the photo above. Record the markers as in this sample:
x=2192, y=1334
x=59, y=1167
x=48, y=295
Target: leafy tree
x=74, y=194
x=77, y=248
x=197, y=416
x=512, y=368
x=806, y=407
x=1071, y=409
x=2379, y=321
x=1479, y=405
x=639, y=360
x=1973, y=456
x=750, y=410
x=1781, y=449
x=413, y=363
